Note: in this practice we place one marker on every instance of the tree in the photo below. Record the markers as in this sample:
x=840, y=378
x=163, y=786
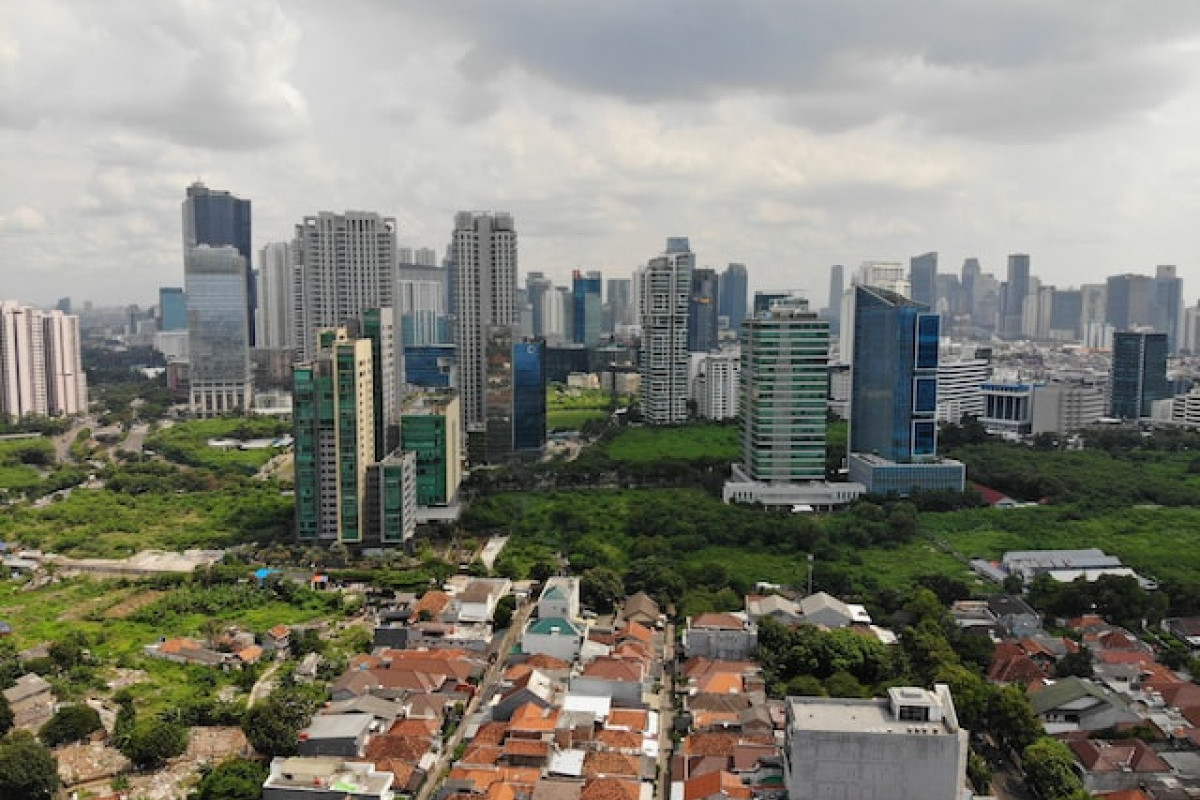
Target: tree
x=600, y=588
x=239, y=779
x=28, y=770
x=979, y=773
x=505, y=608
x=1050, y=770
x=71, y=723
x=1078, y=664
x=273, y=727
x=151, y=742
x=1011, y=718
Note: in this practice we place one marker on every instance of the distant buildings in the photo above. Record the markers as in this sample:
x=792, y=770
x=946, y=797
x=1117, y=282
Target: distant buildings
x=587, y=307
x=515, y=399
x=893, y=408
x=732, y=288
x=703, y=309
x=218, y=331
x=1139, y=373
x=665, y=299
x=923, y=279
x=431, y=427
x=275, y=323
x=1012, y=296
x=716, y=385
x=41, y=371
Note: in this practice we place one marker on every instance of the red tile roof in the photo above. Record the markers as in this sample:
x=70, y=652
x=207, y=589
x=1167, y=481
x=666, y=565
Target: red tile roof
x=610, y=789
x=715, y=784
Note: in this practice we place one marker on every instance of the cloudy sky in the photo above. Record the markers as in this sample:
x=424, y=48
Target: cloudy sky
x=788, y=135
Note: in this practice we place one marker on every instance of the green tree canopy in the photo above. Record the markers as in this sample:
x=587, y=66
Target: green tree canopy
x=238, y=779
x=1050, y=770
x=151, y=742
x=28, y=770
x=71, y=723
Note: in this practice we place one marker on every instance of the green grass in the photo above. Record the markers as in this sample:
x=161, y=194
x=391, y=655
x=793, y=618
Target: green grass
x=572, y=419
x=17, y=456
x=187, y=443
x=698, y=440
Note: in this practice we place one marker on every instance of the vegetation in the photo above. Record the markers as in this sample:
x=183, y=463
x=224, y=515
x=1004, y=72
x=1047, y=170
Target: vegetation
x=73, y=722
x=152, y=741
x=571, y=408
x=27, y=769
x=236, y=779
x=273, y=727
x=187, y=443
x=716, y=441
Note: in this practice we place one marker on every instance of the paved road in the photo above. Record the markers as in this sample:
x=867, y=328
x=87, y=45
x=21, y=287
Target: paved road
x=135, y=440
x=487, y=686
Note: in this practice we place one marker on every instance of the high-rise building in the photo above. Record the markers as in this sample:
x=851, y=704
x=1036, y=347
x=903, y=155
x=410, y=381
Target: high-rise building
x=764, y=300
x=837, y=286
x=515, y=395
x=959, y=387
x=732, y=291
x=41, y=371
x=1013, y=295
x=485, y=260
x=421, y=304
x=893, y=402
x=922, y=278
x=617, y=302
x=1139, y=373
x=784, y=386
x=345, y=264
x=1066, y=314
x=1131, y=302
x=344, y=491
x=888, y=275
x=537, y=286
x=666, y=291
x=586, y=306
x=716, y=385
x=276, y=327
x=702, y=311
x=1168, y=302
x=217, y=218
x=431, y=427
x=172, y=309
x=218, y=331
x=1190, y=340
x=378, y=326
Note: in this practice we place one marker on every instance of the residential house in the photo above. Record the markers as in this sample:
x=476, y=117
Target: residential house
x=343, y=735
x=559, y=598
x=825, y=609
x=302, y=778
x=1114, y=765
x=277, y=639
x=640, y=608
x=31, y=699
x=553, y=636
x=1077, y=704
x=720, y=635
x=477, y=601
x=1016, y=617
x=622, y=680
x=777, y=607
x=536, y=687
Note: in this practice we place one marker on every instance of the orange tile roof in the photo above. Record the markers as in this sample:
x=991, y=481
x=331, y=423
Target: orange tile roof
x=526, y=748
x=483, y=777
x=634, y=719
x=542, y=661
x=718, y=619
x=478, y=754
x=403, y=772
x=250, y=654
x=409, y=749
x=614, y=669
x=531, y=717
x=619, y=740
x=637, y=631
x=715, y=784
x=713, y=719
x=279, y=631
x=491, y=733
x=501, y=791
x=610, y=789
x=720, y=683
x=596, y=764
x=720, y=744
x=434, y=601
x=414, y=727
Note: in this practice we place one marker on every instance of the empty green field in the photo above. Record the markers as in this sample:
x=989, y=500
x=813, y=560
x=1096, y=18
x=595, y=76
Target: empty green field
x=687, y=442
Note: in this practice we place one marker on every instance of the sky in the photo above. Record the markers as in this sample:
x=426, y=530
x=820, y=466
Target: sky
x=788, y=135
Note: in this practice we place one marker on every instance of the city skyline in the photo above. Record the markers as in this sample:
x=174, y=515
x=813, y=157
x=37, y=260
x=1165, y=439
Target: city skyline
x=848, y=137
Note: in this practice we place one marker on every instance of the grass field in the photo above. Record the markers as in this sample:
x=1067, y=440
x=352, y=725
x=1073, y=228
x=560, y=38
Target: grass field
x=569, y=408
x=698, y=440
x=572, y=419
x=15, y=473
x=187, y=443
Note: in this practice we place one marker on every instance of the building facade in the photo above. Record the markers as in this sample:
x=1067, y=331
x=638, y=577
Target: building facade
x=41, y=370
x=431, y=427
x=1139, y=373
x=172, y=309
x=275, y=324
x=703, y=307
x=922, y=277
x=732, y=295
x=666, y=291
x=216, y=218
x=716, y=386
x=484, y=250
x=586, y=306
x=218, y=331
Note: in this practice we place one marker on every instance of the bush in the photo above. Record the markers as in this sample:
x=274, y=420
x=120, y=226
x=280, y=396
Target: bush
x=151, y=742
x=71, y=723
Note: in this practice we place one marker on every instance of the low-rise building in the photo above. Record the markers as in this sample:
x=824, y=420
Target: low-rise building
x=726, y=635
x=342, y=735
x=301, y=778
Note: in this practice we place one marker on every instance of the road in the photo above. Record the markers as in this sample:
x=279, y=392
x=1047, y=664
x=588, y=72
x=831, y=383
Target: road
x=666, y=708
x=62, y=442
x=487, y=686
x=263, y=686
x=135, y=440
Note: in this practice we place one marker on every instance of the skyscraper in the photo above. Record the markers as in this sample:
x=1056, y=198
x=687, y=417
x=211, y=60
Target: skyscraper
x=1139, y=373
x=1130, y=302
x=586, y=305
x=218, y=331
x=41, y=371
x=172, y=309
x=666, y=290
x=345, y=264
x=703, y=306
x=617, y=301
x=485, y=259
x=922, y=277
x=529, y=395
x=837, y=286
x=217, y=218
x=537, y=285
x=732, y=291
x=1013, y=295
x=893, y=402
x=275, y=324
x=1168, y=302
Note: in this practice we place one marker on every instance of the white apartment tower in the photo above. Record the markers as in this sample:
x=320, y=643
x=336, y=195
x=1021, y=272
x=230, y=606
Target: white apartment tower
x=41, y=372
x=716, y=386
x=485, y=257
x=344, y=265
x=275, y=326
x=665, y=288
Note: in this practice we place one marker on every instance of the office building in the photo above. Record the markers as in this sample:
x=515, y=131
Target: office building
x=1190, y=336
x=716, y=384
x=784, y=386
x=485, y=261
x=1130, y=302
x=888, y=275
x=1008, y=408
x=421, y=304
x=431, y=366
x=618, y=305
x=346, y=492
x=666, y=285
x=41, y=371
x=1168, y=303
x=586, y=307
x=275, y=324
x=1012, y=297
x=345, y=264
x=1066, y=315
x=1139, y=373
x=732, y=293
x=703, y=306
x=537, y=288
x=1067, y=406
x=172, y=309
x=218, y=331
x=922, y=278
x=908, y=746
x=764, y=300
x=217, y=218
x=515, y=395
x=837, y=287
x=431, y=426
x=893, y=402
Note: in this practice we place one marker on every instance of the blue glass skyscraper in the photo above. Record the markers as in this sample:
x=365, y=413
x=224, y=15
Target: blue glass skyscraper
x=172, y=309
x=529, y=395
x=219, y=219
x=731, y=294
x=587, y=307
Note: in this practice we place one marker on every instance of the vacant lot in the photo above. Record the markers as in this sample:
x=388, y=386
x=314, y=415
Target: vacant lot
x=687, y=442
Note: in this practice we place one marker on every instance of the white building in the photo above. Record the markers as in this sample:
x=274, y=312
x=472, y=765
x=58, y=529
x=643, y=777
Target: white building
x=484, y=251
x=344, y=265
x=890, y=275
x=960, y=388
x=908, y=746
x=218, y=331
x=665, y=296
x=41, y=371
x=715, y=385
x=275, y=327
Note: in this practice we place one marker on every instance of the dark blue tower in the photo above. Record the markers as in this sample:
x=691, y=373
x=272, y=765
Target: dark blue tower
x=217, y=218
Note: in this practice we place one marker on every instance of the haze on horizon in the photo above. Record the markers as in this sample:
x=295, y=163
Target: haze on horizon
x=787, y=135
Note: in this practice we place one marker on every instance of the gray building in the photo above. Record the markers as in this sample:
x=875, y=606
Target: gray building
x=720, y=635
x=922, y=277
x=665, y=298
x=732, y=290
x=218, y=331
x=908, y=746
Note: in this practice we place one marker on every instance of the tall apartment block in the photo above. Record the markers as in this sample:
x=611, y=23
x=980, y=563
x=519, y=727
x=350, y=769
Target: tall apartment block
x=41, y=372
x=1139, y=373
x=893, y=396
x=275, y=325
x=344, y=264
x=1012, y=296
x=216, y=218
x=484, y=252
x=716, y=385
x=837, y=288
x=218, y=331
x=515, y=396
x=784, y=386
x=344, y=491
x=666, y=286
